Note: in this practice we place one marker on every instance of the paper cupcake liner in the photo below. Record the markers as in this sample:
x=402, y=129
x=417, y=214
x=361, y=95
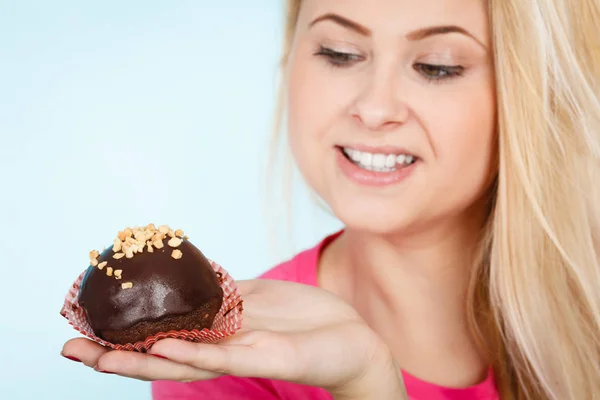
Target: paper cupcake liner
x=227, y=321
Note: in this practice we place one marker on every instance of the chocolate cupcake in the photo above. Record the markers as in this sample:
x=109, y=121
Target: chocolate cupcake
x=151, y=280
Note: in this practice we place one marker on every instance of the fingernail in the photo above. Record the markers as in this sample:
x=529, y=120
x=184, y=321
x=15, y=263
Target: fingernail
x=159, y=356
x=71, y=358
x=102, y=371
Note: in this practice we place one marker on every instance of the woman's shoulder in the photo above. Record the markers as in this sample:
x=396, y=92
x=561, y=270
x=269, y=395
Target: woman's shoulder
x=296, y=269
x=302, y=267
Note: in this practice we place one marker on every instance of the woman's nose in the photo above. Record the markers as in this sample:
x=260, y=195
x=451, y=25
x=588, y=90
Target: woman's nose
x=380, y=105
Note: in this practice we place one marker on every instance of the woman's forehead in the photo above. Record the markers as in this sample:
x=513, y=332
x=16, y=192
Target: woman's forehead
x=388, y=18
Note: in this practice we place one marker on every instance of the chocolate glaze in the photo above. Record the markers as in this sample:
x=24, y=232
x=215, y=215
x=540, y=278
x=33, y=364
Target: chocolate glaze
x=162, y=286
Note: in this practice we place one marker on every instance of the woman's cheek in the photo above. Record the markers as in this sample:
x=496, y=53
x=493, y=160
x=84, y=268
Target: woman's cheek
x=464, y=141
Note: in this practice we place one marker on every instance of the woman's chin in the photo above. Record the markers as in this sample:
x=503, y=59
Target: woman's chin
x=375, y=220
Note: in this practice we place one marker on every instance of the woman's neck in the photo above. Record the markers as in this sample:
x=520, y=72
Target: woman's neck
x=412, y=290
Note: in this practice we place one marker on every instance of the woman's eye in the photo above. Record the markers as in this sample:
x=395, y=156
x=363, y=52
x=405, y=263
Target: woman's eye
x=338, y=58
x=434, y=72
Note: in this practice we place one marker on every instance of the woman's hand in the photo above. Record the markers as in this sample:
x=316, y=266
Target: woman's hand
x=291, y=332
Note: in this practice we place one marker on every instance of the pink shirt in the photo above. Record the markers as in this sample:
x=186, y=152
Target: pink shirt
x=303, y=269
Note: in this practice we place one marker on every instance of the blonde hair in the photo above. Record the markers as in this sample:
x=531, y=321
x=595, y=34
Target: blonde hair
x=535, y=291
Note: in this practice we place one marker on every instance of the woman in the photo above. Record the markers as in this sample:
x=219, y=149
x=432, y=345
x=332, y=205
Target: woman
x=458, y=142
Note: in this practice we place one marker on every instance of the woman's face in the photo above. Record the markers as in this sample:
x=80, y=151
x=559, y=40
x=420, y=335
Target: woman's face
x=391, y=108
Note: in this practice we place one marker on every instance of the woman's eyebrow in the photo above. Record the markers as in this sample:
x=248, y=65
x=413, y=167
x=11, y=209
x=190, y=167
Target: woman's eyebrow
x=415, y=35
x=343, y=21
x=429, y=31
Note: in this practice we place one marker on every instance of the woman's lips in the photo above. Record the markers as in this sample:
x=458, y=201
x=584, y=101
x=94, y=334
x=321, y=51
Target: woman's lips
x=384, y=176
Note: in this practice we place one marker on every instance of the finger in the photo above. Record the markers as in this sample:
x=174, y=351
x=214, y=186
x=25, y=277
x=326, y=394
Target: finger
x=84, y=350
x=147, y=367
x=244, y=355
x=247, y=286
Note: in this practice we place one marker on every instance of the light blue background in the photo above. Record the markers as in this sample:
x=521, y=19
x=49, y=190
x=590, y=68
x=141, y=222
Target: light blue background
x=117, y=113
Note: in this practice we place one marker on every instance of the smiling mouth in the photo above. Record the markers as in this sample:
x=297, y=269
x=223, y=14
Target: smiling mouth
x=378, y=162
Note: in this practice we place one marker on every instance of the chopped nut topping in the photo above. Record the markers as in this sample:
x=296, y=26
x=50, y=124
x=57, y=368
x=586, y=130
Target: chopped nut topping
x=102, y=265
x=118, y=273
x=131, y=241
x=109, y=271
x=93, y=262
x=126, y=285
x=122, y=236
x=177, y=254
x=186, y=237
x=117, y=245
x=174, y=242
x=139, y=235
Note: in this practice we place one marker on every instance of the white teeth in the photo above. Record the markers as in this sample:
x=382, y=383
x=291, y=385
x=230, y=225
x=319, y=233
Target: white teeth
x=378, y=162
x=366, y=159
x=390, y=161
